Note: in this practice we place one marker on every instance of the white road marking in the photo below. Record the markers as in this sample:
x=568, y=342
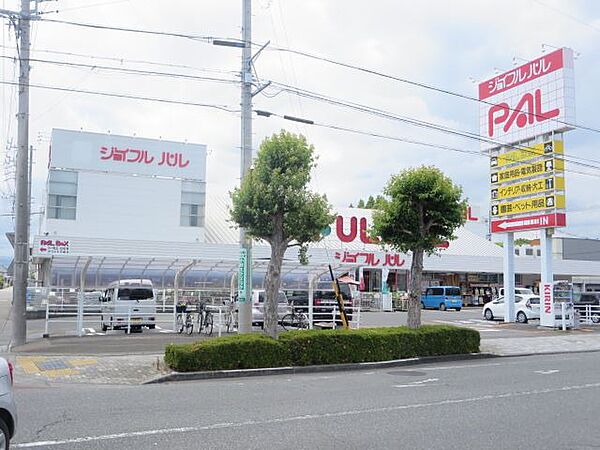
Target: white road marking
x=166, y=331
x=486, y=330
x=546, y=372
x=283, y=420
x=158, y=328
x=417, y=383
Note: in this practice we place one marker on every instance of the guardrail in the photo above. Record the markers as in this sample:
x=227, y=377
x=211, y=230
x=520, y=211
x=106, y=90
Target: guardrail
x=588, y=314
x=126, y=318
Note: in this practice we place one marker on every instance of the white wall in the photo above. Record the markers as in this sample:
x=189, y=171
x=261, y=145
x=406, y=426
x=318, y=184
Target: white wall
x=126, y=207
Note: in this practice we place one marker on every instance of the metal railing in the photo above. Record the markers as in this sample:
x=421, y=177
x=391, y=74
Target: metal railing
x=588, y=314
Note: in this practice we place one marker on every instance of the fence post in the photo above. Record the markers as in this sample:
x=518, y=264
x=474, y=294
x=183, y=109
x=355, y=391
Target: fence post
x=334, y=312
x=47, y=318
x=174, y=315
x=129, y=320
x=220, y=319
x=563, y=311
x=588, y=314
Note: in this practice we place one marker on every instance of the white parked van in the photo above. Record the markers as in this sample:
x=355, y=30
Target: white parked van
x=130, y=301
x=259, y=297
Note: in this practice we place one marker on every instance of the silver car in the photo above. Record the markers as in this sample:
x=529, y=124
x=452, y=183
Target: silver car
x=8, y=409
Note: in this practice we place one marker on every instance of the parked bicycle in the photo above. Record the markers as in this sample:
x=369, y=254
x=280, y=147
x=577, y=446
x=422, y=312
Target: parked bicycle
x=205, y=320
x=296, y=320
x=231, y=322
x=184, y=319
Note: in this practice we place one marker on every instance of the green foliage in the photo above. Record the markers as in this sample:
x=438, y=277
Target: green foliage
x=423, y=210
x=273, y=202
x=316, y=347
x=371, y=202
x=245, y=351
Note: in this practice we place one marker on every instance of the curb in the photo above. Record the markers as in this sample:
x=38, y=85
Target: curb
x=239, y=373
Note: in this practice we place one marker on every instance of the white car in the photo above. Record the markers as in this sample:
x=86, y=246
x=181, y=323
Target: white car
x=258, y=305
x=8, y=409
x=527, y=307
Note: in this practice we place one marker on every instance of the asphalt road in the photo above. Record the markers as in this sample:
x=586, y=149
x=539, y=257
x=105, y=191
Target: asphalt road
x=541, y=402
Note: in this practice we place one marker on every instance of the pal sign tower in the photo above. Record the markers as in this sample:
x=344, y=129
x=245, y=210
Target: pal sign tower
x=524, y=115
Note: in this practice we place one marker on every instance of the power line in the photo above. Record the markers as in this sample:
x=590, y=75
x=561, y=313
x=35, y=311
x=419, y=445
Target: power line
x=394, y=138
x=130, y=71
x=195, y=37
x=420, y=123
x=127, y=96
x=131, y=61
x=414, y=83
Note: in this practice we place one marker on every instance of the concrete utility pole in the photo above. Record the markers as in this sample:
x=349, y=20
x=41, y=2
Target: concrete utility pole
x=245, y=302
x=21, y=255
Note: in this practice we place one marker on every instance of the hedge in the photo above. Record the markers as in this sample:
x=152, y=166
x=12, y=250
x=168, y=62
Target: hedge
x=316, y=347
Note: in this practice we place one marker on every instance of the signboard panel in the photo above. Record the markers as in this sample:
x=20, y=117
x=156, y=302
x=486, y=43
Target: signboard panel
x=528, y=170
x=530, y=100
x=529, y=223
x=530, y=204
x=127, y=155
x=242, y=276
x=547, y=318
x=536, y=186
x=527, y=153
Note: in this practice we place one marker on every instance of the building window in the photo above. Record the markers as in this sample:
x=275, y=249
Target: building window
x=193, y=196
x=529, y=251
x=62, y=195
x=517, y=251
x=539, y=252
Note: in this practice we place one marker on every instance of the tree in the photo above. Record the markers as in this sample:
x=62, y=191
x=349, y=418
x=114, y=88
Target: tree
x=361, y=203
x=274, y=204
x=370, y=202
x=423, y=209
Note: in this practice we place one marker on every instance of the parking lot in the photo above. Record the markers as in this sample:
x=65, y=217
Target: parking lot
x=62, y=338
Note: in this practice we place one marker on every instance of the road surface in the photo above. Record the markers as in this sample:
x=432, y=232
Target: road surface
x=539, y=402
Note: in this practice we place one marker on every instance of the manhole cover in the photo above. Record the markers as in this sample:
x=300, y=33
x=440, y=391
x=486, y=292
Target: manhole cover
x=407, y=373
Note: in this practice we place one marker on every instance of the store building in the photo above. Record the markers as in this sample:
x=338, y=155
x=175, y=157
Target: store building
x=120, y=207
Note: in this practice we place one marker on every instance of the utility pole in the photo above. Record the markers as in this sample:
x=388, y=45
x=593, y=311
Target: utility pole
x=245, y=282
x=21, y=255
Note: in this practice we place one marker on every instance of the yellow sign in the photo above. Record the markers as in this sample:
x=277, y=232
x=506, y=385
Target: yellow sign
x=528, y=170
x=528, y=187
x=528, y=205
x=527, y=153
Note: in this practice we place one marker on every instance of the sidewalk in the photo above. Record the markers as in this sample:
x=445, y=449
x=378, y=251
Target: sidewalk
x=137, y=369
x=563, y=342
x=131, y=369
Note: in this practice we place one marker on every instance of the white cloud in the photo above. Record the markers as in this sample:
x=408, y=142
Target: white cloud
x=441, y=43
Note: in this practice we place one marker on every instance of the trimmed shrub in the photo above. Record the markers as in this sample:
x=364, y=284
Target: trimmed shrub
x=246, y=351
x=317, y=347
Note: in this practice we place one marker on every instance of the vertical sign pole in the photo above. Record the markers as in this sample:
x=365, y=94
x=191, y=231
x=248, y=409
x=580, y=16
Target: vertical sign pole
x=547, y=317
x=509, y=278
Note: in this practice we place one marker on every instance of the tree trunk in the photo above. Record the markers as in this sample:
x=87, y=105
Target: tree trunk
x=272, y=283
x=414, y=296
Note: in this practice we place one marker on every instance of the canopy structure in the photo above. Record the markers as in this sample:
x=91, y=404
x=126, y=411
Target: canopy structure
x=98, y=271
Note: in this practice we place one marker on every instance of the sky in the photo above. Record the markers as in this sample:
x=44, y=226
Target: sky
x=450, y=45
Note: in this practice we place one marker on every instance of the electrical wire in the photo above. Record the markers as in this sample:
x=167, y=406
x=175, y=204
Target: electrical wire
x=419, y=123
x=128, y=96
x=130, y=71
x=195, y=37
x=131, y=61
x=401, y=139
x=413, y=83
